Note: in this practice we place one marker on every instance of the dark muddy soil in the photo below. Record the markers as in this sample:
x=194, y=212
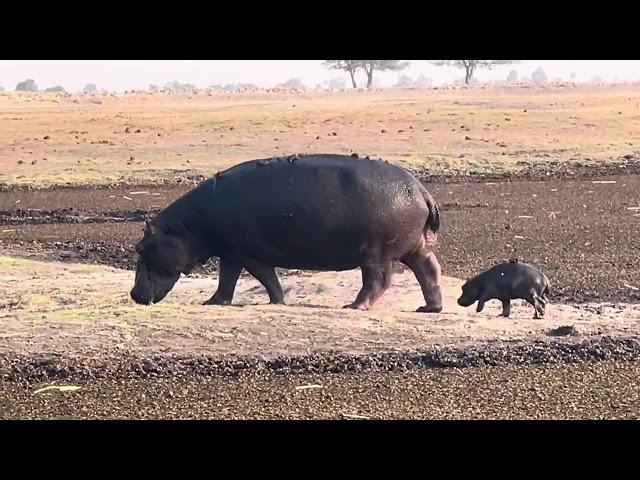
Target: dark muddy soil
x=580, y=225
x=592, y=390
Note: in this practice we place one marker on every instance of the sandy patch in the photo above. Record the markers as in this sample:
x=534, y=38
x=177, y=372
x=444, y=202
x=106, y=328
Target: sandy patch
x=80, y=309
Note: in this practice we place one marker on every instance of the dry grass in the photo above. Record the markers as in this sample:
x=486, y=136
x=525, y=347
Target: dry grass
x=462, y=130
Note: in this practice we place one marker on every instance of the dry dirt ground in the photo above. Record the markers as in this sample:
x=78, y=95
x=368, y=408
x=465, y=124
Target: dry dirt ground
x=84, y=310
x=551, y=176
x=54, y=139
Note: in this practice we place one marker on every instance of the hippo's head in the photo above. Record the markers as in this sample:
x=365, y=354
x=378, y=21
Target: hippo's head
x=162, y=257
x=470, y=294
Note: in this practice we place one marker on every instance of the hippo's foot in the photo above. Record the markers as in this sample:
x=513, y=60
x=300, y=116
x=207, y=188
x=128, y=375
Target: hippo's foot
x=358, y=306
x=217, y=301
x=429, y=309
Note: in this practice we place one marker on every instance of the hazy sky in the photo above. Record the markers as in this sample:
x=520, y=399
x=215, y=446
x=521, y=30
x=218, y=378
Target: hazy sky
x=138, y=74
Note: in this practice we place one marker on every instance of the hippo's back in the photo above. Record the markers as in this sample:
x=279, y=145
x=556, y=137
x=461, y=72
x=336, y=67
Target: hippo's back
x=319, y=211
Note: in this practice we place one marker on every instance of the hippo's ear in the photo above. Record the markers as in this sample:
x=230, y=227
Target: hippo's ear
x=148, y=227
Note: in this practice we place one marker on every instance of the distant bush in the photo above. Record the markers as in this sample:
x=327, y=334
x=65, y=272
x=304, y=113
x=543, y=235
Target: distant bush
x=539, y=77
x=1, y=89
x=337, y=84
x=404, y=81
x=29, y=85
x=292, y=83
x=512, y=77
x=423, y=82
x=56, y=89
x=178, y=87
x=90, y=88
x=153, y=88
x=235, y=87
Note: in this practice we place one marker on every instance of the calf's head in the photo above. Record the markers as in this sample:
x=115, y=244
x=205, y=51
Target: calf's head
x=162, y=257
x=470, y=293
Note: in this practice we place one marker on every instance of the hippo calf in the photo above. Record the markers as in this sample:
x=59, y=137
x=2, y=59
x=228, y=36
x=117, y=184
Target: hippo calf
x=505, y=282
x=311, y=212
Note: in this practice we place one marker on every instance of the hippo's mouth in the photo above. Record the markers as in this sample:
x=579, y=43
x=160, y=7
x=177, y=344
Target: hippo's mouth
x=464, y=302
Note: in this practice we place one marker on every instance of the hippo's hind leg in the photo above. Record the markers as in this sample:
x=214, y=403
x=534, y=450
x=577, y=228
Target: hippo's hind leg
x=266, y=275
x=228, y=274
x=376, y=278
x=538, y=305
x=426, y=268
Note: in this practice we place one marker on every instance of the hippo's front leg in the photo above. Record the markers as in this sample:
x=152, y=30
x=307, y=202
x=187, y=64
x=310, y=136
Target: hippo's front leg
x=506, y=308
x=266, y=275
x=228, y=274
x=481, y=301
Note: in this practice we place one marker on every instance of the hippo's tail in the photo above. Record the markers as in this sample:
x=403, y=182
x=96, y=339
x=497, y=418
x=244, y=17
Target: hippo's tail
x=433, y=220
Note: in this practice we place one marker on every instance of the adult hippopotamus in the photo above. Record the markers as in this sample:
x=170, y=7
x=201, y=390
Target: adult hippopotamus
x=311, y=212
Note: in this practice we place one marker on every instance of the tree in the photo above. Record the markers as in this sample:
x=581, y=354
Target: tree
x=90, y=88
x=350, y=66
x=371, y=66
x=470, y=66
x=29, y=85
x=513, y=76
